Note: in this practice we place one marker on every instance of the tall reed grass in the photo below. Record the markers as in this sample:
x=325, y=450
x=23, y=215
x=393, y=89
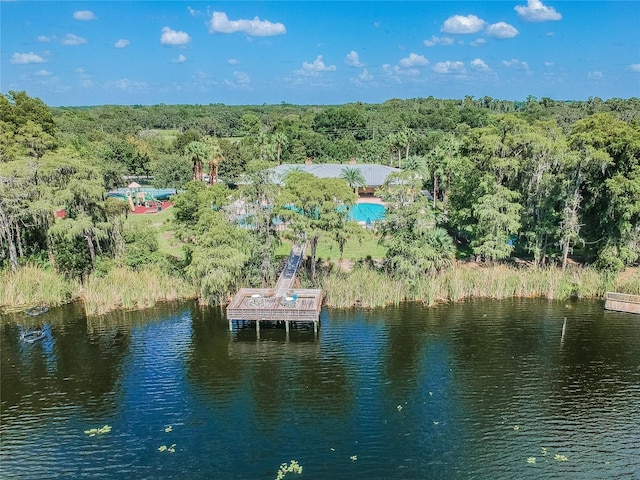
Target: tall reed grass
x=32, y=285
x=125, y=288
x=372, y=288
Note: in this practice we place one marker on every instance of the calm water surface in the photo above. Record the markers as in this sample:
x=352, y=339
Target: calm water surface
x=474, y=390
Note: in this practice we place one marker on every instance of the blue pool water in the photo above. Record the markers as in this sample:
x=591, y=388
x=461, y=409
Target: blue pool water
x=157, y=193
x=367, y=212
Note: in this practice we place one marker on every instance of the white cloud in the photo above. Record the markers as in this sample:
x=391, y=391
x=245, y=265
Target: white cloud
x=123, y=42
x=181, y=59
x=480, y=65
x=535, y=11
x=515, y=63
x=462, y=24
x=242, y=78
x=445, y=41
x=26, y=58
x=478, y=42
x=365, y=76
x=84, y=15
x=173, y=37
x=396, y=72
x=71, y=40
x=501, y=30
x=233, y=61
x=596, y=75
x=43, y=73
x=126, y=85
x=220, y=23
x=413, y=60
x=83, y=77
x=549, y=64
x=449, y=67
x=193, y=12
x=635, y=67
x=352, y=59
x=43, y=39
x=314, y=69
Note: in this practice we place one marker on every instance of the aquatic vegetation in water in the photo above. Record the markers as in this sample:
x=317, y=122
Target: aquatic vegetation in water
x=516, y=428
x=170, y=449
x=293, y=467
x=98, y=431
x=168, y=429
x=399, y=407
x=560, y=458
x=544, y=450
x=531, y=460
x=354, y=457
x=436, y=423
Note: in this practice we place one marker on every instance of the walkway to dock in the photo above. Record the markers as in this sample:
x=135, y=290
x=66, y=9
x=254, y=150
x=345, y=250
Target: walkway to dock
x=282, y=304
x=288, y=275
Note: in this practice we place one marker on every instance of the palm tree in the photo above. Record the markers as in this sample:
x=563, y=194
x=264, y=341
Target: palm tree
x=406, y=136
x=354, y=178
x=215, y=158
x=197, y=152
x=281, y=141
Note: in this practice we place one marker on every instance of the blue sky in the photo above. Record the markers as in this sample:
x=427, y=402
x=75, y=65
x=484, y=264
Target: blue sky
x=242, y=52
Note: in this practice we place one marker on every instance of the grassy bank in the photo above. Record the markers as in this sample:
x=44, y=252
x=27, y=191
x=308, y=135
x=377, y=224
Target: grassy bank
x=122, y=287
x=371, y=288
x=129, y=289
x=31, y=285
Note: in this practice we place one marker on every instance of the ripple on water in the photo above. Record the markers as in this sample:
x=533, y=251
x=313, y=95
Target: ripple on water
x=472, y=390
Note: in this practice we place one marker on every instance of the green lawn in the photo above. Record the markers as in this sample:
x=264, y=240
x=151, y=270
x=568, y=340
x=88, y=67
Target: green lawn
x=353, y=250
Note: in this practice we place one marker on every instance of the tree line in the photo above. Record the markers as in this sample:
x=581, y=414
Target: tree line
x=487, y=178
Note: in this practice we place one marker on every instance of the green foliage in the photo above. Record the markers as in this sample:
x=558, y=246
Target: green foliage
x=497, y=219
x=92, y=432
x=544, y=175
x=172, y=172
x=293, y=467
x=415, y=245
x=354, y=177
x=314, y=207
x=218, y=256
x=141, y=246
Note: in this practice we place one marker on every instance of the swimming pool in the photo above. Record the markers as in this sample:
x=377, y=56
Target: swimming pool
x=157, y=193
x=367, y=212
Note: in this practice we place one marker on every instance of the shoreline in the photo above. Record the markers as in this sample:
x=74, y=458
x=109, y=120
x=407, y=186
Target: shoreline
x=125, y=290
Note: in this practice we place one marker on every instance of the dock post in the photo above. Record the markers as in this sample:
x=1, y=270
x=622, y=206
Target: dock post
x=231, y=325
x=258, y=329
x=315, y=328
x=286, y=326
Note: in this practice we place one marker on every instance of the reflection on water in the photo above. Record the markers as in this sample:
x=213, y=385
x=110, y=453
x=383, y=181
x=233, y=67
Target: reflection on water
x=481, y=389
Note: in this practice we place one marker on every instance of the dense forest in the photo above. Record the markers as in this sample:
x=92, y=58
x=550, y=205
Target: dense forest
x=539, y=179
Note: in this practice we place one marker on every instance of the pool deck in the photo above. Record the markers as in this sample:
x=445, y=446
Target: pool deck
x=374, y=200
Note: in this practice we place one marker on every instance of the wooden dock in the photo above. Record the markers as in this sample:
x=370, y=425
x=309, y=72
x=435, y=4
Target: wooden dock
x=280, y=305
x=622, y=302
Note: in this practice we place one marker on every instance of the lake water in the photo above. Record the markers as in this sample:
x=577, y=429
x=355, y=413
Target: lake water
x=481, y=389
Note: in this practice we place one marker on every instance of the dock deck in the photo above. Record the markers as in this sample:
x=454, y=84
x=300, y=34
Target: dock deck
x=622, y=302
x=280, y=304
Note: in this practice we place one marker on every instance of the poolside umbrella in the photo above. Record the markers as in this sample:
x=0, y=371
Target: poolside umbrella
x=134, y=185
